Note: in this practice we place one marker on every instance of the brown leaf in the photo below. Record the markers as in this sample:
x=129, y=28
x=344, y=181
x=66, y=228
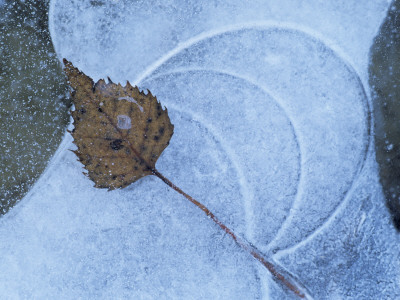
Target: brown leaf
x=120, y=131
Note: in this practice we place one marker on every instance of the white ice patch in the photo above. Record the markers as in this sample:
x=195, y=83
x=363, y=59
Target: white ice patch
x=130, y=99
x=124, y=122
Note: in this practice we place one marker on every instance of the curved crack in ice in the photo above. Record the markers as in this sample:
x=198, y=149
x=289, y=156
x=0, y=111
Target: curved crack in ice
x=337, y=52
x=297, y=201
x=294, y=27
x=244, y=185
x=367, y=151
x=249, y=199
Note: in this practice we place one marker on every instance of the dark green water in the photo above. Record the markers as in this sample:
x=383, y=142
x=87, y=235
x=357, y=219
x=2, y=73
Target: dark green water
x=384, y=72
x=33, y=110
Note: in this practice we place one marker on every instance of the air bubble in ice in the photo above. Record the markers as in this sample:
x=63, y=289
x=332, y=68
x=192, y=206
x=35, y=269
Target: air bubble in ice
x=124, y=122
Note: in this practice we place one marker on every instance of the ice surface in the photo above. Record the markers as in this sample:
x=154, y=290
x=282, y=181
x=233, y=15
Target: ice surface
x=272, y=132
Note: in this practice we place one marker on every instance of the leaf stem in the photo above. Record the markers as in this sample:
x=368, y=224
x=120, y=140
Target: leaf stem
x=286, y=281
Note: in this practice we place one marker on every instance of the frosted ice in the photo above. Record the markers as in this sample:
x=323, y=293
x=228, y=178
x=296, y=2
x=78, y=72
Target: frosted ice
x=272, y=132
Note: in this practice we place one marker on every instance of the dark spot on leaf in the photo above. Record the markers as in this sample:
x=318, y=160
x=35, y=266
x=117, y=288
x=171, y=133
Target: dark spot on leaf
x=116, y=144
x=100, y=109
x=156, y=137
x=114, y=177
x=161, y=130
x=149, y=120
x=82, y=111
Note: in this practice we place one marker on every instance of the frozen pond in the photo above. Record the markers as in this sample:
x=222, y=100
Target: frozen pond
x=273, y=123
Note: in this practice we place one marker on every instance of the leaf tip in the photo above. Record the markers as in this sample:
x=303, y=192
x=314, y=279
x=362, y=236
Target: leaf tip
x=68, y=66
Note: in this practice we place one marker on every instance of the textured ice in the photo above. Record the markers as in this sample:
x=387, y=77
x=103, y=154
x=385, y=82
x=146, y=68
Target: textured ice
x=272, y=132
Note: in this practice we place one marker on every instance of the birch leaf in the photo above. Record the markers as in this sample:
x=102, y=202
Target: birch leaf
x=119, y=130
